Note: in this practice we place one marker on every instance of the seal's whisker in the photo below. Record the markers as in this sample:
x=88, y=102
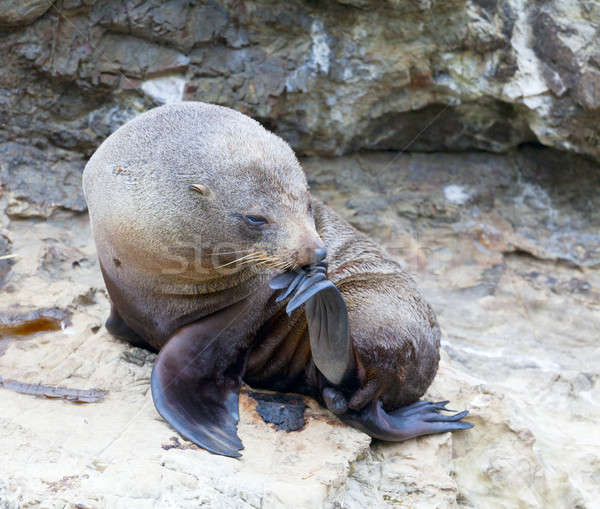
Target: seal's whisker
x=249, y=262
x=217, y=253
x=258, y=260
x=253, y=250
x=269, y=259
x=274, y=262
x=249, y=257
x=266, y=262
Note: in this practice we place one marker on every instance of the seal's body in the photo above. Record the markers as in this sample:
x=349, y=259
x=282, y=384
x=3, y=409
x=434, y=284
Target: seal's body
x=393, y=329
x=194, y=208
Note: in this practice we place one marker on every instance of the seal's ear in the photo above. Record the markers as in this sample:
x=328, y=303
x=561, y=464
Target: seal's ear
x=202, y=189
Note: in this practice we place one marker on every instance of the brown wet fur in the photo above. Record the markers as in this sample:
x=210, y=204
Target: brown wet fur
x=242, y=168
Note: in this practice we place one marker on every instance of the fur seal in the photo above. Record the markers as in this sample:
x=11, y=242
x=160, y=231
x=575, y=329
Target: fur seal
x=207, y=238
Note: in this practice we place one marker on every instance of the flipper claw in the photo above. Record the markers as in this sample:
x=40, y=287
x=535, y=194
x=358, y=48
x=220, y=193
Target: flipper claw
x=436, y=417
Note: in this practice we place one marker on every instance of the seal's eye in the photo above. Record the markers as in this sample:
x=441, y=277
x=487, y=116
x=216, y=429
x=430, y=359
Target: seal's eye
x=256, y=221
x=310, y=207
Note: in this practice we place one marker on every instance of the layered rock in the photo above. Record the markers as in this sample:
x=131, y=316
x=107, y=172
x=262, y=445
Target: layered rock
x=330, y=77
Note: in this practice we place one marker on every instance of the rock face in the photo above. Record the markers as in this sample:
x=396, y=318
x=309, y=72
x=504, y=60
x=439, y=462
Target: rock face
x=506, y=247
x=330, y=77
x=22, y=12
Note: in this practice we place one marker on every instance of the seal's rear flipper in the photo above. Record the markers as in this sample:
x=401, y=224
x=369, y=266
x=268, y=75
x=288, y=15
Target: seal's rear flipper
x=200, y=404
x=420, y=418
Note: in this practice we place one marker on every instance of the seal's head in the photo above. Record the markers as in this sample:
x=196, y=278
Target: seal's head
x=201, y=183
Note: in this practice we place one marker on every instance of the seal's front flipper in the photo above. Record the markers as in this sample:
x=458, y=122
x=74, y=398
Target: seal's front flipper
x=188, y=392
x=329, y=334
x=326, y=316
x=420, y=418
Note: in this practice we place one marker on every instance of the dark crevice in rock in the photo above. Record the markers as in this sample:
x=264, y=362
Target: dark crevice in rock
x=565, y=262
x=285, y=411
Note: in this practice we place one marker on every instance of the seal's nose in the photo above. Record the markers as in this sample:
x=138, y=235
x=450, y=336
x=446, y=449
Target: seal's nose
x=311, y=255
x=320, y=254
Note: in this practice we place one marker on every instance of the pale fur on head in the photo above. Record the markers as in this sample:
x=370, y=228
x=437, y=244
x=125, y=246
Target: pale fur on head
x=138, y=188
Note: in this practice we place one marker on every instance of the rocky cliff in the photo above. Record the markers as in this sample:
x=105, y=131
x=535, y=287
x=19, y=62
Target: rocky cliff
x=329, y=76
